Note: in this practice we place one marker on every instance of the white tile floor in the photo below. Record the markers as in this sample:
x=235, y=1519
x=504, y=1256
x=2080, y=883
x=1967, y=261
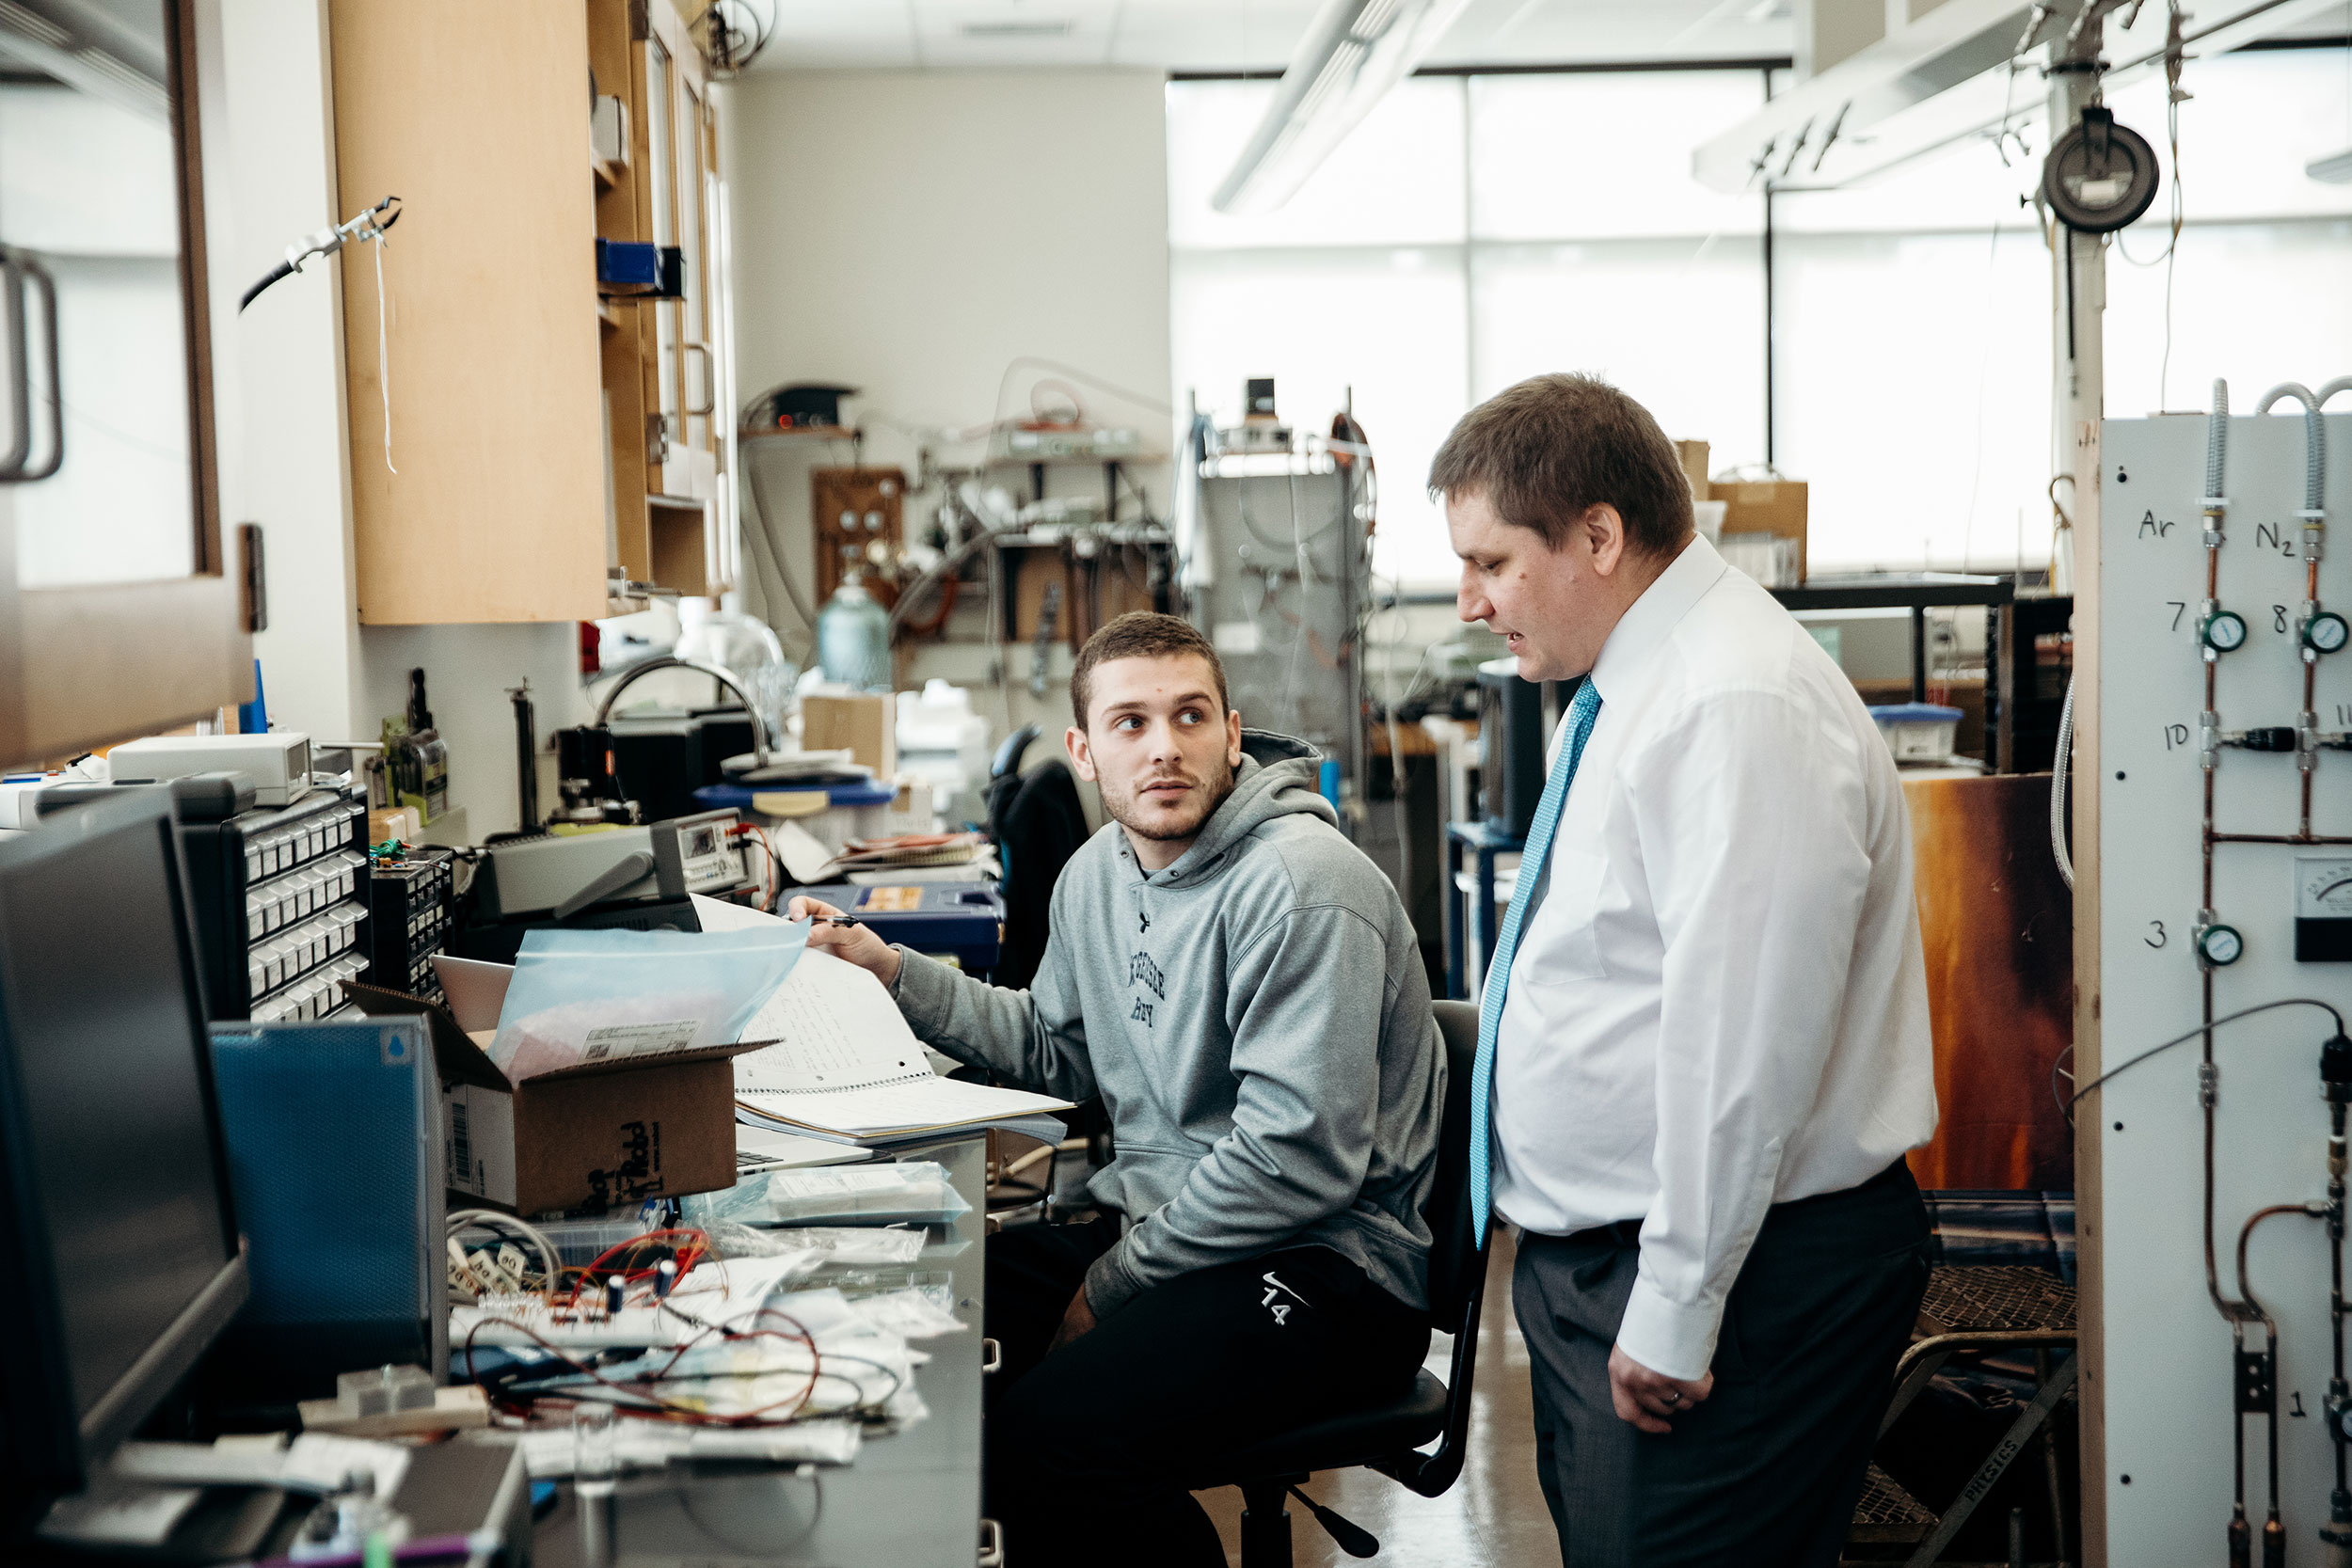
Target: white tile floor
x=1492, y=1517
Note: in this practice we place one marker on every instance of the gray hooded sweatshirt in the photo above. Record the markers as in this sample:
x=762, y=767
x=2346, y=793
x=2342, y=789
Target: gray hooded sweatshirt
x=1257, y=1021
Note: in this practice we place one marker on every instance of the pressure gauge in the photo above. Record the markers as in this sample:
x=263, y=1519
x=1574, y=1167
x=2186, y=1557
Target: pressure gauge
x=2223, y=631
x=2326, y=632
x=2221, y=945
x=2323, y=910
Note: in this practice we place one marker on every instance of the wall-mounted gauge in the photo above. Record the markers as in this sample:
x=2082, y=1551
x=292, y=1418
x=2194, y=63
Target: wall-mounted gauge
x=2219, y=946
x=2323, y=910
x=2223, y=631
x=2326, y=632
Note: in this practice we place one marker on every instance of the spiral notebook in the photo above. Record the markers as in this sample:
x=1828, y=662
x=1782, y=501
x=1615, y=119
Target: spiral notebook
x=846, y=1066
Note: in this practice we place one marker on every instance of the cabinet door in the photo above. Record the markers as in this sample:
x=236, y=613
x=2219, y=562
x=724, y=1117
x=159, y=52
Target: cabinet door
x=119, y=609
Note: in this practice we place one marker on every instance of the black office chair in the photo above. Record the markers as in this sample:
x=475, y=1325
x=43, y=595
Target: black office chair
x=1387, y=1436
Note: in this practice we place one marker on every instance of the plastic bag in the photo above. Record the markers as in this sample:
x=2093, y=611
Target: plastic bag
x=580, y=996
x=915, y=1192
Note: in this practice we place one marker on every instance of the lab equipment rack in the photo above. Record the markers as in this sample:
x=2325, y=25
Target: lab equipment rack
x=409, y=900
x=278, y=900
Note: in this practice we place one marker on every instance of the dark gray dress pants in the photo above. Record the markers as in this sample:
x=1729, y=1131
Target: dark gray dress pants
x=1765, y=1472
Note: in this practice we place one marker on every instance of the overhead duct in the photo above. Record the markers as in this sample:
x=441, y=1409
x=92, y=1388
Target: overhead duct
x=1354, y=52
x=1942, y=81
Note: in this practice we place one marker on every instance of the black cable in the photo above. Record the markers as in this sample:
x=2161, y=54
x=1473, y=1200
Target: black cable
x=2066, y=1105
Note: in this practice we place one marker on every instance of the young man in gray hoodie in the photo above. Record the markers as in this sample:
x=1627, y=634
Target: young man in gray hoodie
x=1243, y=988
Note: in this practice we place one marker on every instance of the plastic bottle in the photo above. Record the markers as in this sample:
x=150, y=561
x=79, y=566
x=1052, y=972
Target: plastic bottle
x=853, y=639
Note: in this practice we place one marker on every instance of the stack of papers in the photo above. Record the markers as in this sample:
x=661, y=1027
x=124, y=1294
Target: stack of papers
x=845, y=1067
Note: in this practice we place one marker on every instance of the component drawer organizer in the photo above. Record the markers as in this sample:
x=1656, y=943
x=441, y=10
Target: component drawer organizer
x=279, y=897
x=408, y=900
x=2225, y=887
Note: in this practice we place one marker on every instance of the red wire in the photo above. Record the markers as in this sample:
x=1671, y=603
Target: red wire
x=686, y=1257
x=666, y=1410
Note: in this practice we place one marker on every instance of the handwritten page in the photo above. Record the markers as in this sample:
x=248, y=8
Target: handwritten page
x=836, y=1028
x=846, y=1062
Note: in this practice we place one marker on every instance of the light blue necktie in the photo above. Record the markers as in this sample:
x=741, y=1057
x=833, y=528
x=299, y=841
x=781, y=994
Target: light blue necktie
x=1533, y=865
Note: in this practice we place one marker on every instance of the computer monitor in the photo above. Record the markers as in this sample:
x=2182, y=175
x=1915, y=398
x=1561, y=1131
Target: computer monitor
x=116, y=1218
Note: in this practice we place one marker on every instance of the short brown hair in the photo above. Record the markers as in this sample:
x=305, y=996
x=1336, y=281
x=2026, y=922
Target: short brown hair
x=1550, y=448
x=1141, y=634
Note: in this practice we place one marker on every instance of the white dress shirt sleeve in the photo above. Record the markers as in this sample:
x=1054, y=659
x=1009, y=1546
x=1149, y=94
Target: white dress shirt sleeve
x=1753, y=822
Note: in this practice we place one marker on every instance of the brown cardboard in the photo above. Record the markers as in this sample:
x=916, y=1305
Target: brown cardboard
x=597, y=1135
x=867, y=726
x=1765, y=506
x=1693, y=457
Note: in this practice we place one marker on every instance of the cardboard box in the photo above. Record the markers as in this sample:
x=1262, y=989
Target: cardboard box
x=1694, y=456
x=601, y=1135
x=1775, y=506
x=867, y=726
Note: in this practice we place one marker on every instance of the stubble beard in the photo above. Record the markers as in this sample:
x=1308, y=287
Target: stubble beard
x=1220, y=786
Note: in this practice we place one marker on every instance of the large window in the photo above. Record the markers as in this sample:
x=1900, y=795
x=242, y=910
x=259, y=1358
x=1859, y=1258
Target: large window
x=1477, y=230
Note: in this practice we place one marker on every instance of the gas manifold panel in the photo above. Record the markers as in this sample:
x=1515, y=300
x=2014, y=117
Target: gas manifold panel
x=2225, y=886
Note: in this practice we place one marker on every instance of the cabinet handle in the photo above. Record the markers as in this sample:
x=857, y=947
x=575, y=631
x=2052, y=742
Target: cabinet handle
x=992, y=1545
x=710, y=381
x=16, y=268
x=992, y=1355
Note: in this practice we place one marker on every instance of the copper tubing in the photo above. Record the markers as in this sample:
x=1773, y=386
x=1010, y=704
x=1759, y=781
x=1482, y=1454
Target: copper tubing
x=2246, y=1234
x=2269, y=838
x=2311, y=692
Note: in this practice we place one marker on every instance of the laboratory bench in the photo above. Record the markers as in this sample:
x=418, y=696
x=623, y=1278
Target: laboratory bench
x=910, y=1499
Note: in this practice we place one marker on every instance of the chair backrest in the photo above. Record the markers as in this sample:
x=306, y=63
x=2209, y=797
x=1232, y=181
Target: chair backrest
x=1457, y=1264
x=1039, y=823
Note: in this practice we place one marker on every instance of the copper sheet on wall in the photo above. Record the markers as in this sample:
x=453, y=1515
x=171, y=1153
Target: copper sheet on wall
x=1998, y=928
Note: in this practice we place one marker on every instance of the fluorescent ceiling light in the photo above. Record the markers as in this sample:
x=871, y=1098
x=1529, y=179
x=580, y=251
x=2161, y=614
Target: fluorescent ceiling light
x=2335, y=170
x=1941, y=81
x=35, y=41
x=1354, y=52
x=1017, y=29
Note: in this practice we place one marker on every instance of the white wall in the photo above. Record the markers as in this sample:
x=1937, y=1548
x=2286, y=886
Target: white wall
x=913, y=234
x=270, y=176
x=269, y=168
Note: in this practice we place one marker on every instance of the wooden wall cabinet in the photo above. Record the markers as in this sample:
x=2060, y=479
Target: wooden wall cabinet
x=546, y=444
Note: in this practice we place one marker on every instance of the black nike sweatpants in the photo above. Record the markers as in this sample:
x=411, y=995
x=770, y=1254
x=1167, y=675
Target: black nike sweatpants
x=1088, y=1448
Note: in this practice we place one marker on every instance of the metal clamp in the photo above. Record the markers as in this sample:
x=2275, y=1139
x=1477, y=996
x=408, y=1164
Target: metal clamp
x=992, y=1355
x=992, y=1545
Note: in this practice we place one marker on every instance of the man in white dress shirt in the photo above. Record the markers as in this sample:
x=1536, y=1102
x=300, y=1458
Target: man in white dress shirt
x=1705, y=1038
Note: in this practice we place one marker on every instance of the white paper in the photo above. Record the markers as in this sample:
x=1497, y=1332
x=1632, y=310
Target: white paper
x=758, y=1148
x=804, y=857
x=844, y=1061
x=314, y=1462
x=119, y=1515
x=548, y=1451
x=899, y=1107
x=716, y=915
x=835, y=1027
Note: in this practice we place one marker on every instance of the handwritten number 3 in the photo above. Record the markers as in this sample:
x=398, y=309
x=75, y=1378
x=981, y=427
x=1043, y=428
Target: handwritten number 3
x=2158, y=939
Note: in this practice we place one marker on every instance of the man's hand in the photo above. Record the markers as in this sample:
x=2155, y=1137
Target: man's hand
x=1075, y=1321
x=1651, y=1400
x=857, y=944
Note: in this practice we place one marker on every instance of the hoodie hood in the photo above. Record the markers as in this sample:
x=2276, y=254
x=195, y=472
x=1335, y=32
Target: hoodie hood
x=1277, y=777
